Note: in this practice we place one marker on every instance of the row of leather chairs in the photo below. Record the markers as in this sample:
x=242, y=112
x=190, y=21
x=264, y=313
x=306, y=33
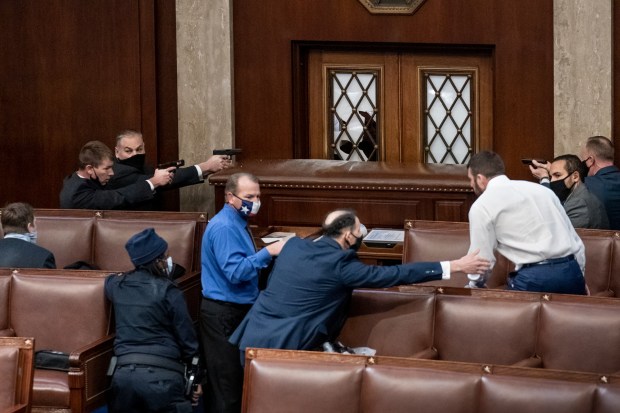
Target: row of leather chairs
x=285, y=381
x=441, y=240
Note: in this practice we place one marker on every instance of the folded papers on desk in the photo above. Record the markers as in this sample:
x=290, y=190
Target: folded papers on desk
x=277, y=236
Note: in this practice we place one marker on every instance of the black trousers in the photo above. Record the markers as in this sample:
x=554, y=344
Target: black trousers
x=138, y=388
x=224, y=387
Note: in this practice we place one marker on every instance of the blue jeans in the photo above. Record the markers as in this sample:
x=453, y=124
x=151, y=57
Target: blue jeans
x=562, y=278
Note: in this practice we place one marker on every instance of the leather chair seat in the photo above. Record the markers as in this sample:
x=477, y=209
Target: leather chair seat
x=50, y=388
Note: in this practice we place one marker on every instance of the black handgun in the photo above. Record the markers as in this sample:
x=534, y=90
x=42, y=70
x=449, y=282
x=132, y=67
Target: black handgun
x=176, y=164
x=192, y=377
x=228, y=152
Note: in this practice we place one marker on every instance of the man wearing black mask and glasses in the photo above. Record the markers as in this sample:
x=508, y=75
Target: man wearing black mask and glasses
x=129, y=167
x=304, y=304
x=565, y=176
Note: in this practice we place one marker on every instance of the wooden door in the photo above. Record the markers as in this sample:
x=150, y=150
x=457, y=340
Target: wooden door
x=399, y=105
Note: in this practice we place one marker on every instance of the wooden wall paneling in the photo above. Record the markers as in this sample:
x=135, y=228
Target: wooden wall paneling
x=71, y=72
x=71, y=79
x=519, y=33
x=167, y=111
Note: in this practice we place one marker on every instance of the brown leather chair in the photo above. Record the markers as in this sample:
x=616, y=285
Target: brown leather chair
x=580, y=336
x=443, y=241
x=16, y=372
x=69, y=238
x=397, y=324
x=497, y=331
x=112, y=234
x=300, y=381
x=67, y=313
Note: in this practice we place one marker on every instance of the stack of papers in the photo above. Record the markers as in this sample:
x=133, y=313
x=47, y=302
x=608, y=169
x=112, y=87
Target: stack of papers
x=277, y=236
x=388, y=236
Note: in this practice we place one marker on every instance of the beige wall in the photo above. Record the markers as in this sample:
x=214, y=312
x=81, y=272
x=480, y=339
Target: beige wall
x=583, y=80
x=582, y=72
x=204, y=88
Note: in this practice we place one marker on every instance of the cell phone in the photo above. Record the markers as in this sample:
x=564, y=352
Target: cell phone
x=529, y=161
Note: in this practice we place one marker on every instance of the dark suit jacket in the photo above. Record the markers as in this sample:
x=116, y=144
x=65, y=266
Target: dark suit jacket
x=585, y=210
x=305, y=302
x=606, y=186
x=80, y=193
x=17, y=253
x=126, y=175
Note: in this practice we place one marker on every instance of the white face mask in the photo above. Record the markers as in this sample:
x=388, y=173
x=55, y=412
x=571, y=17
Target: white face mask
x=169, y=264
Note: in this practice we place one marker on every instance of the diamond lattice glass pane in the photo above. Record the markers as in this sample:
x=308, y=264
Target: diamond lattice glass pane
x=354, y=120
x=459, y=113
x=448, y=119
x=460, y=149
x=438, y=150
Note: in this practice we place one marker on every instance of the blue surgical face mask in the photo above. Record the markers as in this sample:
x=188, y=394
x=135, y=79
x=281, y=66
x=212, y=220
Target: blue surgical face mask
x=32, y=237
x=248, y=208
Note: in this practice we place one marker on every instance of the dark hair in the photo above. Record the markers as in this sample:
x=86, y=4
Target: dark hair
x=601, y=147
x=16, y=217
x=93, y=153
x=486, y=163
x=572, y=163
x=233, y=181
x=335, y=227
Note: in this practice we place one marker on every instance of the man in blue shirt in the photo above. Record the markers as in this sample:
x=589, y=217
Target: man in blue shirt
x=603, y=178
x=230, y=270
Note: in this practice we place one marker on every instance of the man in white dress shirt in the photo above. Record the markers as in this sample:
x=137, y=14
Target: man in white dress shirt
x=527, y=224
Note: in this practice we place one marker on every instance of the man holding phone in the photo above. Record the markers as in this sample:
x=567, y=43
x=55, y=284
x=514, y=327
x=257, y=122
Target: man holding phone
x=565, y=177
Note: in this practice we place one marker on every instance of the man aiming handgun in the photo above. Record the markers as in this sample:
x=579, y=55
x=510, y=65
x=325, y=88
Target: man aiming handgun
x=129, y=167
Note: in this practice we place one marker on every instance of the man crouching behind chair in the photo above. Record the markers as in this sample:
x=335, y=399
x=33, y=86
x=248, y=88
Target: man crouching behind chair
x=155, y=337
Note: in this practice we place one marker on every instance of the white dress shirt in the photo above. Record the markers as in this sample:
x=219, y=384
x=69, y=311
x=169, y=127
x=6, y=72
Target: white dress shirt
x=524, y=221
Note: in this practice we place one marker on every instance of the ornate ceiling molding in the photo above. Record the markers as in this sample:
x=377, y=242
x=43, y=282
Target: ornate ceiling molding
x=392, y=6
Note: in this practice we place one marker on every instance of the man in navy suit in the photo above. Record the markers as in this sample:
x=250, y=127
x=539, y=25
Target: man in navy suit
x=603, y=178
x=304, y=304
x=18, y=249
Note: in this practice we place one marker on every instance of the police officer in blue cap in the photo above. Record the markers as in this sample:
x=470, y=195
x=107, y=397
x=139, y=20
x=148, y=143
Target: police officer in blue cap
x=155, y=336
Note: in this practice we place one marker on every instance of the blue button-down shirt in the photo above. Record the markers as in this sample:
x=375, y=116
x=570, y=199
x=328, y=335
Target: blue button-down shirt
x=230, y=263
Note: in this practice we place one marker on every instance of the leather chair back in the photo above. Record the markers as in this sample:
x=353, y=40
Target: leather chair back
x=112, y=234
x=69, y=238
x=580, y=337
x=485, y=330
x=62, y=313
x=398, y=324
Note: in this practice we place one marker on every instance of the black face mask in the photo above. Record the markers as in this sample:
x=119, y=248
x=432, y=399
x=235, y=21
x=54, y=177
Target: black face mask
x=560, y=189
x=136, y=161
x=584, y=168
x=357, y=244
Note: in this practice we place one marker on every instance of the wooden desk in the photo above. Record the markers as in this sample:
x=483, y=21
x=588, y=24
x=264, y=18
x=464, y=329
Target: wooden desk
x=368, y=255
x=300, y=192
x=381, y=256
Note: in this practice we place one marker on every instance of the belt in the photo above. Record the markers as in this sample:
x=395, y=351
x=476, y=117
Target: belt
x=228, y=303
x=551, y=261
x=151, y=360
